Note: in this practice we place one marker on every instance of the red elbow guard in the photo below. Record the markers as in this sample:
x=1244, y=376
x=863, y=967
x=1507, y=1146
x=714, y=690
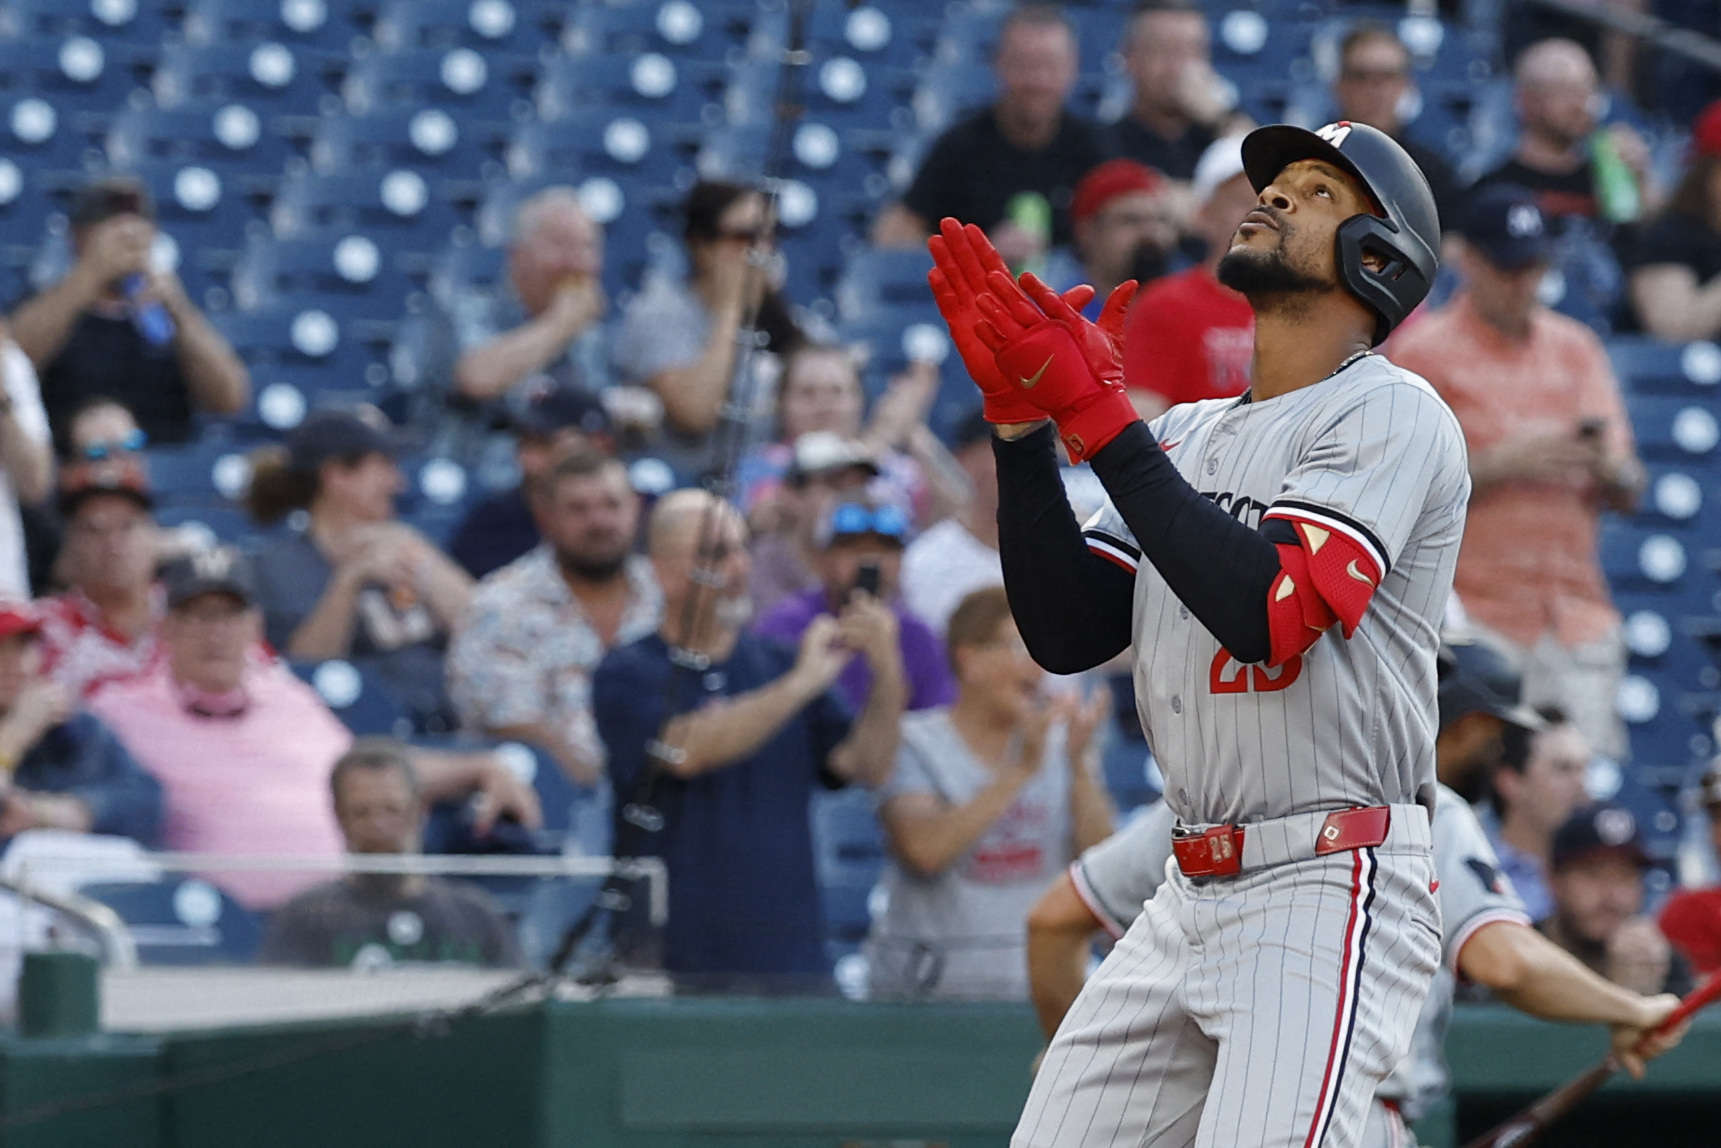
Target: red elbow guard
x=1329, y=578
x=1296, y=613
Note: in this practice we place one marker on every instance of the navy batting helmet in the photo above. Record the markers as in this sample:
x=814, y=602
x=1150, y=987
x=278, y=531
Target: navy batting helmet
x=1407, y=240
x=1475, y=677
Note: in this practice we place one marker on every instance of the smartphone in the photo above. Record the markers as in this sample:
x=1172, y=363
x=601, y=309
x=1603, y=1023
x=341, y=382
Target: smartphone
x=1591, y=428
x=866, y=578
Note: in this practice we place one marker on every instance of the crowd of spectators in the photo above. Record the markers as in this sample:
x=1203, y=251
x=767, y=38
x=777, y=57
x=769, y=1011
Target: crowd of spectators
x=700, y=666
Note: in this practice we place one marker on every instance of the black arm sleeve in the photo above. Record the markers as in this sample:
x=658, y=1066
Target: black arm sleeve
x=1217, y=566
x=1072, y=606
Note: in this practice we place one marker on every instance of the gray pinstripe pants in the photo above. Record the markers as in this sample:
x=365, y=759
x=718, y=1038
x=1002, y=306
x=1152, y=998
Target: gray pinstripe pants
x=1260, y=1010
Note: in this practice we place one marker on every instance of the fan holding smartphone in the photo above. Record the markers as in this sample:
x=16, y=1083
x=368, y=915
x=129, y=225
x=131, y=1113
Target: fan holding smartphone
x=857, y=558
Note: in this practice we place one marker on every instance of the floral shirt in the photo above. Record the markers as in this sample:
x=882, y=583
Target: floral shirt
x=82, y=652
x=527, y=652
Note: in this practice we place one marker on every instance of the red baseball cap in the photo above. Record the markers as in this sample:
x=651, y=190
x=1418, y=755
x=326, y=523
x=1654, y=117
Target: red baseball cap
x=1706, y=131
x=17, y=617
x=1109, y=180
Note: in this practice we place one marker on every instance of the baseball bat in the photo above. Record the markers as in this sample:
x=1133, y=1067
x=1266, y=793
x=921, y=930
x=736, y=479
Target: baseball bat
x=1527, y=1125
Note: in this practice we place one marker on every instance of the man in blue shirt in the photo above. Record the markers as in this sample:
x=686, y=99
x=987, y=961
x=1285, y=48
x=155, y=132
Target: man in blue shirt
x=724, y=734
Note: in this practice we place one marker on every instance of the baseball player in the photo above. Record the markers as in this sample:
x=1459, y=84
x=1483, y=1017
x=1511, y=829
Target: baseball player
x=1280, y=562
x=1486, y=938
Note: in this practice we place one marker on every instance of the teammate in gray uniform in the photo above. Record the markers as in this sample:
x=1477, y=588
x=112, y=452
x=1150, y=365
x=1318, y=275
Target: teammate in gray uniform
x=1299, y=547
x=1486, y=939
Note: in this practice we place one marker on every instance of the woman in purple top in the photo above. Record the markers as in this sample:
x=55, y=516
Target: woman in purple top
x=858, y=548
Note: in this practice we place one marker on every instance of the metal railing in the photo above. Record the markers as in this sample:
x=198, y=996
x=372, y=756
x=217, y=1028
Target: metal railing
x=118, y=950
x=648, y=869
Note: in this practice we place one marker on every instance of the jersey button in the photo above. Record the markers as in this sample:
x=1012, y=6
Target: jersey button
x=1183, y=611
x=1176, y=704
x=1212, y=466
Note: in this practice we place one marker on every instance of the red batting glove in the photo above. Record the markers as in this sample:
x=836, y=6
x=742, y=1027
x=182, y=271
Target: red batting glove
x=962, y=258
x=1066, y=366
x=1101, y=342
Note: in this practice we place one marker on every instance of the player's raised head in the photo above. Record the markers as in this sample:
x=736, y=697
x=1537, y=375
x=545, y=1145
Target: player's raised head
x=1343, y=206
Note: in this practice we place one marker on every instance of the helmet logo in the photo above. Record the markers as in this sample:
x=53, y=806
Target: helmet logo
x=1335, y=134
x=1523, y=220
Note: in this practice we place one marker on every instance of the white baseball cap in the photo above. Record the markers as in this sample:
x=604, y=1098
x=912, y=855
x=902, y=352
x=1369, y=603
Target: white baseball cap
x=1223, y=160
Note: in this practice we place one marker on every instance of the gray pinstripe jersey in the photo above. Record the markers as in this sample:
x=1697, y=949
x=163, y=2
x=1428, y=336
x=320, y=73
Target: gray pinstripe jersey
x=1120, y=874
x=1375, y=455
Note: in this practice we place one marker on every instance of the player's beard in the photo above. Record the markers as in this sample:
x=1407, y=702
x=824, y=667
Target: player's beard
x=1268, y=279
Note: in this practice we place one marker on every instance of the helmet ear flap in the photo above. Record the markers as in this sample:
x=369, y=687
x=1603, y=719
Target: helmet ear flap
x=1394, y=289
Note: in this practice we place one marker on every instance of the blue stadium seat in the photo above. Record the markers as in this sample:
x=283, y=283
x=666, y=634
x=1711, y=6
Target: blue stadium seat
x=573, y=814
x=1674, y=428
x=77, y=73
x=1658, y=820
x=950, y=92
x=968, y=34
x=1651, y=561
x=231, y=137
x=444, y=143
x=463, y=266
x=897, y=35
x=1678, y=500
x=1584, y=279
x=597, y=142
x=284, y=389
x=296, y=336
x=211, y=523
x=397, y=207
x=41, y=138
x=356, y=696
x=325, y=24
x=349, y=269
x=885, y=339
x=843, y=91
x=1664, y=643
x=1654, y=366
x=651, y=84
x=145, y=22
x=209, y=470
x=520, y=27
x=849, y=856
x=182, y=921
x=439, y=492
x=463, y=80
x=265, y=75
x=883, y=278
x=1249, y=48
x=701, y=29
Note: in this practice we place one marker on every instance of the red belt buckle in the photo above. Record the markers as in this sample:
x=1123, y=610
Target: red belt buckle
x=1216, y=853
x=1353, y=829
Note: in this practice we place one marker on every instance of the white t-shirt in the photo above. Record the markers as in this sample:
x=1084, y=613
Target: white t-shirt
x=942, y=567
x=26, y=396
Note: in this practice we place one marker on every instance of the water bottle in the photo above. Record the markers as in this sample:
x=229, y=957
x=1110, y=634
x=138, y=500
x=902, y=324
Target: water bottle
x=1032, y=212
x=1616, y=186
x=154, y=325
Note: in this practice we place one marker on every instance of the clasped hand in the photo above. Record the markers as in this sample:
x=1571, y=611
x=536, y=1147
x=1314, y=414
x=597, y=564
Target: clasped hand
x=1029, y=349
